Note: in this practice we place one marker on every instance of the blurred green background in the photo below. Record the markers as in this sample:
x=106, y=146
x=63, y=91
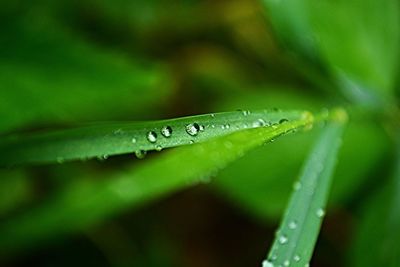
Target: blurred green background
x=63, y=63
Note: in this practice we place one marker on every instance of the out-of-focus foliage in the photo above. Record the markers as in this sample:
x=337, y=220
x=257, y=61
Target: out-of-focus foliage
x=50, y=74
x=356, y=41
x=382, y=209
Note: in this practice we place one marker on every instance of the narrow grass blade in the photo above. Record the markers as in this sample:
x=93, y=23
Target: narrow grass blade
x=379, y=246
x=300, y=226
x=103, y=140
x=88, y=203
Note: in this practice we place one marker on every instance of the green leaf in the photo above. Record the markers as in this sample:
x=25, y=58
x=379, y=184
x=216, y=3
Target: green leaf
x=49, y=74
x=87, y=203
x=300, y=226
x=354, y=42
x=103, y=140
x=359, y=40
x=378, y=246
x=290, y=20
x=273, y=177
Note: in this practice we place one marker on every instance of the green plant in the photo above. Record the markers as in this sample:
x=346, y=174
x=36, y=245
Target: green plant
x=55, y=78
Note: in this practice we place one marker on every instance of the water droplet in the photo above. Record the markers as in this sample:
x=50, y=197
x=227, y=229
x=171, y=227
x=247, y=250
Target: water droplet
x=296, y=258
x=133, y=140
x=283, y=239
x=193, y=129
x=212, y=125
x=283, y=121
x=166, y=131
x=286, y=263
x=267, y=263
x=212, y=115
x=158, y=147
x=297, y=186
x=227, y=126
x=102, y=157
x=201, y=127
x=259, y=123
x=191, y=142
x=246, y=112
x=320, y=212
x=292, y=225
x=140, y=154
x=152, y=137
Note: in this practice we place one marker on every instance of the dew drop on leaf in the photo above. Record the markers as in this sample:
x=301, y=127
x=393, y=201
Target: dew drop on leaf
x=296, y=258
x=140, y=154
x=283, y=121
x=166, y=131
x=297, y=186
x=193, y=129
x=320, y=212
x=292, y=225
x=152, y=137
x=133, y=140
x=267, y=263
x=286, y=263
x=246, y=112
x=283, y=239
x=259, y=123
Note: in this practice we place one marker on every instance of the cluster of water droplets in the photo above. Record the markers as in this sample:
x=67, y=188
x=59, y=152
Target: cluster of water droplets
x=152, y=137
x=286, y=263
x=194, y=129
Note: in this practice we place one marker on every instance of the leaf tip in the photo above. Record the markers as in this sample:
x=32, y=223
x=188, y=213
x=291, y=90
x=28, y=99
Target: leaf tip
x=339, y=115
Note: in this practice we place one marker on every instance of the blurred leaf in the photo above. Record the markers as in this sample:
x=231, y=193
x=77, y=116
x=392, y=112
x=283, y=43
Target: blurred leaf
x=49, y=74
x=87, y=203
x=273, y=177
x=144, y=16
x=15, y=189
x=291, y=22
x=357, y=40
x=105, y=139
x=299, y=229
x=360, y=40
x=379, y=246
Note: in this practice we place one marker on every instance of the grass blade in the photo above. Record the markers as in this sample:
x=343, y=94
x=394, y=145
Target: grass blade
x=300, y=226
x=87, y=203
x=103, y=140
